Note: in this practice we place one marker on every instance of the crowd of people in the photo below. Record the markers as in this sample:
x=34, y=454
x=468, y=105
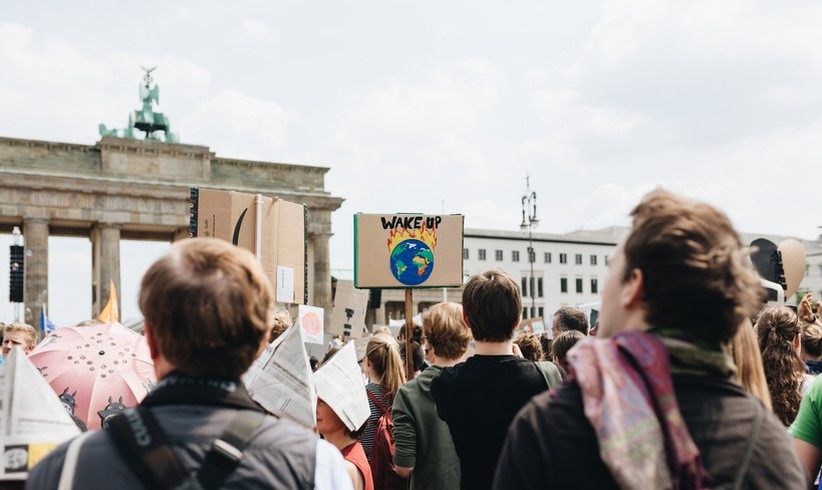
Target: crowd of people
x=686, y=380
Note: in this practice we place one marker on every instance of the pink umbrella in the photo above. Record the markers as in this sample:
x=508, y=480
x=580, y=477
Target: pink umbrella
x=96, y=370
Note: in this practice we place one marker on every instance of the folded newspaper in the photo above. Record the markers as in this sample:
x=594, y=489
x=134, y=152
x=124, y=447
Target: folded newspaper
x=340, y=384
x=281, y=379
x=33, y=421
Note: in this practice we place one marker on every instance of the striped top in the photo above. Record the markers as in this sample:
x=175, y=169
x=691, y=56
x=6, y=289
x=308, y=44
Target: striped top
x=367, y=437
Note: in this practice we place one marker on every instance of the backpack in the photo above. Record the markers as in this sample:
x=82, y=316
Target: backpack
x=382, y=451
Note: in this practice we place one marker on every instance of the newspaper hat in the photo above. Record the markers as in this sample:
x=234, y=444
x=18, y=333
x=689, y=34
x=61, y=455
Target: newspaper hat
x=340, y=385
x=33, y=420
x=280, y=379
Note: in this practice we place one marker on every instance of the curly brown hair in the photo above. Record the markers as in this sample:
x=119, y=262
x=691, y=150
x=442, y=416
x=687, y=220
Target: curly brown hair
x=776, y=329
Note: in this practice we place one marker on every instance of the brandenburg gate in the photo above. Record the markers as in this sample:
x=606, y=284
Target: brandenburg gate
x=127, y=188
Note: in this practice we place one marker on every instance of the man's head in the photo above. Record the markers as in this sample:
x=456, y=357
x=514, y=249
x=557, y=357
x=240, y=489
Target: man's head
x=18, y=335
x=208, y=307
x=492, y=306
x=569, y=318
x=682, y=268
x=445, y=331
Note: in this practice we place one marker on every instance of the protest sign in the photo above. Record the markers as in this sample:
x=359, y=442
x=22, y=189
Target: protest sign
x=277, y=234
x=310, y=321
x=407, y=250
x=281, y=380
x=340, y=385
x=33, y=421
x=348, y=315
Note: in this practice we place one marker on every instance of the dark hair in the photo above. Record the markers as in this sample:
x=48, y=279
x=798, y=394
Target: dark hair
x=776, y=330
x=812, y=339
x=492, y=304
x=545, y=343
x=563, y=343
x=530, y=347
x=417, y=355
x=570, y=318
x=696, y=278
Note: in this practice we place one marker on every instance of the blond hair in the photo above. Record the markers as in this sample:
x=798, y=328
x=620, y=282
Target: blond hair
x=209, y=306
x=749, y=371
x=445, y=330
x=383, y=353
x=25, y=328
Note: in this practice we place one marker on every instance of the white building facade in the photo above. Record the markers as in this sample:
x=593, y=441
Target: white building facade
x=568, y=269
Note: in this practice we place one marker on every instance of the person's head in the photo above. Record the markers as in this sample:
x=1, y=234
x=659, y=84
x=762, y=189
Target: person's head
x=208, y=307
x=569, y=318
x=328, y=422
x=562, y=344
x=545, y=343
x=18, y=335
x=492, y=305
x=384, y=364
x=445, y=331
x=682, y=268
x=282, y=320
x=779, y=341
x=812, y=341
x=417, y=355
x=749, y=371
x=530, y=347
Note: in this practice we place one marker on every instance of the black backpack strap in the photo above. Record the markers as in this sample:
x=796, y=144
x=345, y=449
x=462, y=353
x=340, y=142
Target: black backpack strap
x=227, y=450
x=144, y=447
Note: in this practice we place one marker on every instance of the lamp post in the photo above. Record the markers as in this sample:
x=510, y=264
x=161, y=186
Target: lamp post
x=529, y=222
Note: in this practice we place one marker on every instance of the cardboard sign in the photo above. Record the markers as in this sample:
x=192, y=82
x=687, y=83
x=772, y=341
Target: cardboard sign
x=232, y=216
x=348, y=315
x=310, y=321
x=407, y=250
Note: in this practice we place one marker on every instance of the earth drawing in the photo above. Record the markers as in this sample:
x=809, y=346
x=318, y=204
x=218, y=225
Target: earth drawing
x=411, y=262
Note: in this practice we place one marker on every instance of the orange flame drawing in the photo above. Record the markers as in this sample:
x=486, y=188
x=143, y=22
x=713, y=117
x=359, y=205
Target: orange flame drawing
x=426, y=236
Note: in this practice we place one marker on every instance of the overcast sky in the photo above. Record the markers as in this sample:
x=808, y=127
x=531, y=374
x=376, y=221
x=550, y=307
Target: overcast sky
x=442, y=106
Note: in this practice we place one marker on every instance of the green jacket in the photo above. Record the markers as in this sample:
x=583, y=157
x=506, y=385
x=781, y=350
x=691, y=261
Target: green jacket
x=421, y=438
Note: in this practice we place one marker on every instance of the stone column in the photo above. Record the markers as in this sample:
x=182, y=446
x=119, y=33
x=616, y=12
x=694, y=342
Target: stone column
x=36, y=276
x=322, y=273
x=105, y=265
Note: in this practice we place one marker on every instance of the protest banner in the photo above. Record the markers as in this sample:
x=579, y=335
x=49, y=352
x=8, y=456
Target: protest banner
x=33, y=421
x=310, y=321
x=407, y=250
x=348, y=315
x=340, y=385
x=281, y=379
x=273, y=229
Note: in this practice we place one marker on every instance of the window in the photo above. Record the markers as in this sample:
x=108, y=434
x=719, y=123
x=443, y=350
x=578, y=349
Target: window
x=532, y=256
x=524, y=287
x=541, y=312
x=563, y=284
x=578, y=259
x=547, y=257
x=607, y=259
x=539, y=287
x=498, y=255
x=563, y=258
x=515, y=255
x=594, y=286
x=593, y=260
x=531, y=285
x=465, y=254
x=481, y=254
x=579, y=284
x=525, y=312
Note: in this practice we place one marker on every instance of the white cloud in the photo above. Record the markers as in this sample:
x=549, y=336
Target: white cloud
x=255, y=30
x=237, y=125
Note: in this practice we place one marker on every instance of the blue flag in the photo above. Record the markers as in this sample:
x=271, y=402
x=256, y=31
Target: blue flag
x=45, y=324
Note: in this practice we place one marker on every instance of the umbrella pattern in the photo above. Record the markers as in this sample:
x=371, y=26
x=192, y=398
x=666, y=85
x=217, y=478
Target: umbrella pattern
x=96, y=370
